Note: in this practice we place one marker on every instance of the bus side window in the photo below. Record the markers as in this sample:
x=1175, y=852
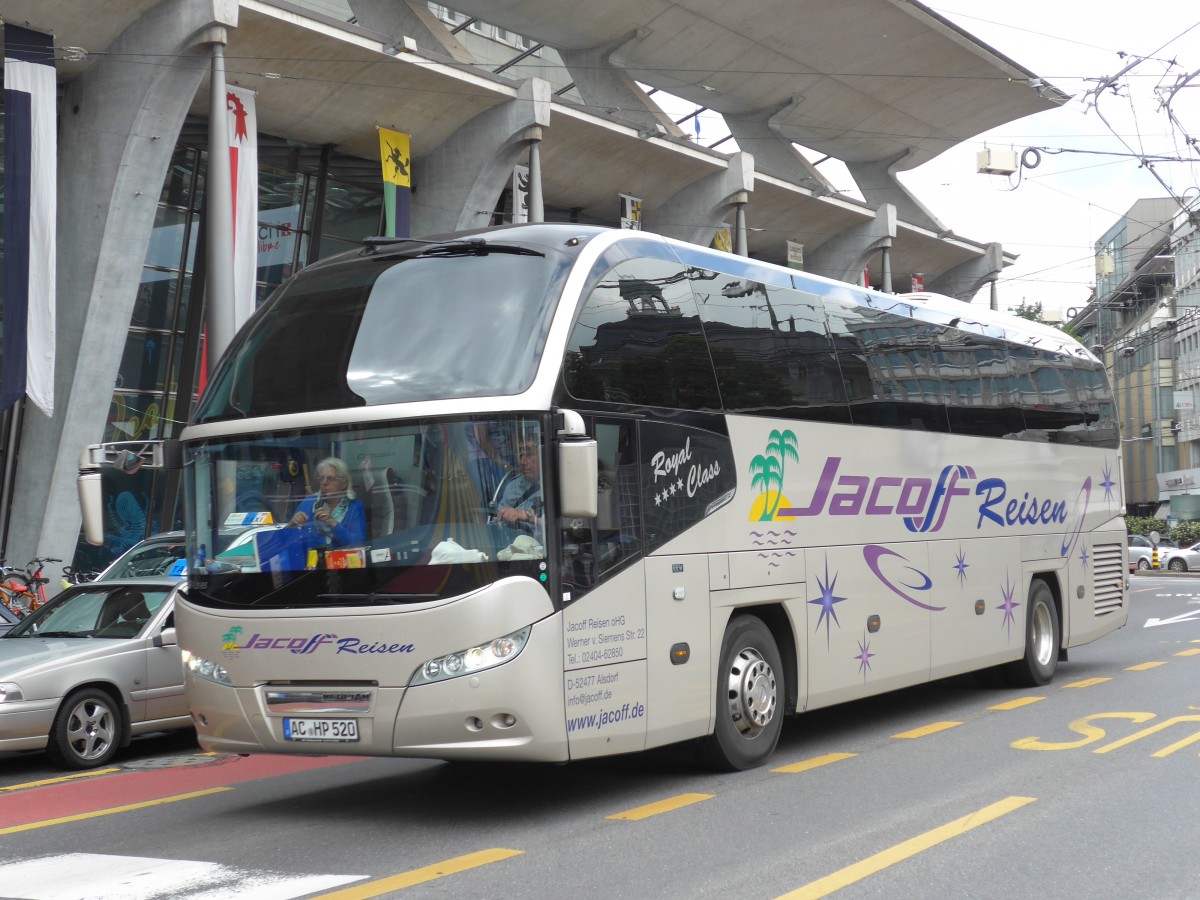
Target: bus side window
x=594, y=548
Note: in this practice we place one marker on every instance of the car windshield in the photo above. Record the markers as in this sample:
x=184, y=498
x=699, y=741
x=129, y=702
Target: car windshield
x=154, y=556
x=400, y=512
x=94, y=611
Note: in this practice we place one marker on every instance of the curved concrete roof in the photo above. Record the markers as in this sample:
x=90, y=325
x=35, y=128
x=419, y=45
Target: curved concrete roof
x=866, y=80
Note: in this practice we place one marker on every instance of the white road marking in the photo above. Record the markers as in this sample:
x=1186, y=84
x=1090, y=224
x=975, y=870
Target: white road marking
x=70, y=876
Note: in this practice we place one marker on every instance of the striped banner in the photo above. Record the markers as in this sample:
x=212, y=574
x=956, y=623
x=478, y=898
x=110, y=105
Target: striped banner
x=30, y=200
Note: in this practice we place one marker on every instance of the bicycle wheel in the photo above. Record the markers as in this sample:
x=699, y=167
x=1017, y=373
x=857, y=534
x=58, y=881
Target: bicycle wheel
x=17, y=595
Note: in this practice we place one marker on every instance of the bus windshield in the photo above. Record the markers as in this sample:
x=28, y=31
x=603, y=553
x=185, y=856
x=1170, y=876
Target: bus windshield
x=367, y=332
x=417, y=510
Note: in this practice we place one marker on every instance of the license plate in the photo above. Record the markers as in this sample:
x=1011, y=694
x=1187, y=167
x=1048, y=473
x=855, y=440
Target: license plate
x=341, y=730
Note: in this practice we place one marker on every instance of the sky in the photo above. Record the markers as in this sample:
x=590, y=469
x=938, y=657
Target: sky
x=1089, y=174
x=1053, y=214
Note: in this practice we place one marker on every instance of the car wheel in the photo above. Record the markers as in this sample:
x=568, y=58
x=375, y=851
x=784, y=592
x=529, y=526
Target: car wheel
x=1042, y=640
x=750, y=695
x=1178, y=564
x=86, y=731
x=1143, y=564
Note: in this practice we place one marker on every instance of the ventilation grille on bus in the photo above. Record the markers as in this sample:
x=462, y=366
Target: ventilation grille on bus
x=1108, y=578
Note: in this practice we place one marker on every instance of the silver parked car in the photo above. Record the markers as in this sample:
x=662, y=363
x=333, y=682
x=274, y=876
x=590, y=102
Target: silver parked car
x=91, y=669
x=1180, y=559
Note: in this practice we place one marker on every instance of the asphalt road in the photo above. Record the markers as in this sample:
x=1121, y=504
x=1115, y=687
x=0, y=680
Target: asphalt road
x=1085, y=788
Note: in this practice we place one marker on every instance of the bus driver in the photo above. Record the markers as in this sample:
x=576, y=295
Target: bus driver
x=521, y=502
x=337, y=516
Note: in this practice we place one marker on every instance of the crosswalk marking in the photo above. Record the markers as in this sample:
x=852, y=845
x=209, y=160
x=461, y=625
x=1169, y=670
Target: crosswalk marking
x=72, y=875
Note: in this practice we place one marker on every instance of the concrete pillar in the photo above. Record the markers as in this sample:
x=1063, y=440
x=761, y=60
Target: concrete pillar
x=123, y=116
x=885, y=283
x=844, y=255
x=964, y=280
x=878, y=183
x=399, y=19
x=609, y=89
x=457, y=184
x=741, y=244
x=695, y=212
x=537, y=209
x=774, y=153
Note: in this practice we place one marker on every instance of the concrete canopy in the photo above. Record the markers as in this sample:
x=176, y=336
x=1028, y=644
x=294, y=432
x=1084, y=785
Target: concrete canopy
x=867, y=79
x=327, y=82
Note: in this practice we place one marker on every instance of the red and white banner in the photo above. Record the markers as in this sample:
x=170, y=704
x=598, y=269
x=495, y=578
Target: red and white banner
x=243, y=171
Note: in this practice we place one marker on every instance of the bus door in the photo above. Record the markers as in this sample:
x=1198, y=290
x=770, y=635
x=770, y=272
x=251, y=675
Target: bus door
x=868, y=619
x=604, y=621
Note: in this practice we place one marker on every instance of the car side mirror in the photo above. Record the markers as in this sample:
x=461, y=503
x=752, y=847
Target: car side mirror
x=166, y=638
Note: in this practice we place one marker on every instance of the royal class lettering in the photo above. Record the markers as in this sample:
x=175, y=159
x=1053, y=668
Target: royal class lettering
x=302, y=646
x=924, y=503
x=670, y=465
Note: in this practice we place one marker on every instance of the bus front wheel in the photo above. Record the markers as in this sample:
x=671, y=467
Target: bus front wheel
x=750, y=693
x=1042, y=640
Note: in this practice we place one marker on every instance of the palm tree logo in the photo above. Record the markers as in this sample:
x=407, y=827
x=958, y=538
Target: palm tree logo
x=229, y=638
x=767, y=470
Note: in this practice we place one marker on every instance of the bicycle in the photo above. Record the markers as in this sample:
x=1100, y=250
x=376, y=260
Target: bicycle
x=72, y=576
x=14, y=588
x=33, y=593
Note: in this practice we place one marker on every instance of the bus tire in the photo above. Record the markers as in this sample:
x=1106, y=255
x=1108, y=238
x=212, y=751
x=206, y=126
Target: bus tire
x=750, y=694
x=1042, y=640
x=87, y=730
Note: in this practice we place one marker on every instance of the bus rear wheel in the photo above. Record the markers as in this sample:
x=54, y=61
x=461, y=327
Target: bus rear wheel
x=1042, y=640
x=750, y=693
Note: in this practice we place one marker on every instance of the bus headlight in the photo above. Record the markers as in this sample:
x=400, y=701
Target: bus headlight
x=473, y=659
x=206, y=669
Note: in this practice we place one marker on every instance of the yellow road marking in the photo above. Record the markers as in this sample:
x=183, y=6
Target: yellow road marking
x=902, y=851
x=420, y=876
x=815, y=762
x=66, y=778
x=926, y=729
x=46, y=823
x=1142, y=667
x=1016, y=704
x=1193, y=652
x=1087, y=682
x=662, y=806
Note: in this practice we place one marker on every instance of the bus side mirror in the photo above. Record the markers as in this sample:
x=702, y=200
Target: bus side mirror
x=91, y=504
x=578, y=488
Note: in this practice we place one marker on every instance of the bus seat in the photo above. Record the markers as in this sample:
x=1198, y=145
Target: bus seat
x=374, y=488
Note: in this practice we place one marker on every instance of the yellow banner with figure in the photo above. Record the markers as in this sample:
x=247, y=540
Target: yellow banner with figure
x=395, y=154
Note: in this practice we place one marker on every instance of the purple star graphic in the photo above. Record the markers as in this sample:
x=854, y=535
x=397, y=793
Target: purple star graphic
x=1108, y=484
x=961, y=567
x=827, y=601
x=1009, y=605
x=1083, y=557
x=864, y=656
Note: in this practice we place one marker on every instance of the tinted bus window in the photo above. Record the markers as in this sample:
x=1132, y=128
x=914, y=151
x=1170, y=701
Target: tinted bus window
x=770, y=349
x=980, y=396
x=891, y=367
x=638, y=341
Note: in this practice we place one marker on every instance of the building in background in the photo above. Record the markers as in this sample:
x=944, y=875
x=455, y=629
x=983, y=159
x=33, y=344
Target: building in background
x=1132, y=322
x=564, y=93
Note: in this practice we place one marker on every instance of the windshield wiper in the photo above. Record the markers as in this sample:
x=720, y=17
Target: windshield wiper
x=470, y=247
x=74, y=634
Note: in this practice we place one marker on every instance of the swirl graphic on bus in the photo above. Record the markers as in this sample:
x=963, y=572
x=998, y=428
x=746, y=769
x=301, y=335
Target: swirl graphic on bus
x=1079, y=513
x=877, y=558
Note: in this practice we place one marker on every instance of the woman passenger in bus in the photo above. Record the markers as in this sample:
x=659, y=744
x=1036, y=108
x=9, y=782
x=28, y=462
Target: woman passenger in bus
x=337, y=516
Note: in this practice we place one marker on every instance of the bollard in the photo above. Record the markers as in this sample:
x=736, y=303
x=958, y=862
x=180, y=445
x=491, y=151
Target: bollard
x=1154, y=557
